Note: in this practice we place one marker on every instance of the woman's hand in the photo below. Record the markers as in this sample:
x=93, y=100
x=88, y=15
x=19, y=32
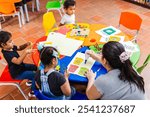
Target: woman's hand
x=93, y=55
x=90, y=75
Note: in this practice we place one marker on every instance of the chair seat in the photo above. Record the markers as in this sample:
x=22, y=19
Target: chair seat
x=5, y=76
x=77, y=96
x=53, y=4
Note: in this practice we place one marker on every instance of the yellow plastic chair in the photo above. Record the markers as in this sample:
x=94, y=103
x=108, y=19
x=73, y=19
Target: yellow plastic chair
x=48, y=22
x=9, y=9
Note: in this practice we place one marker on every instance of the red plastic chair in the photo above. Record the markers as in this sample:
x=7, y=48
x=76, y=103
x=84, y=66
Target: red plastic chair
x=131, y=21
x=6, y=79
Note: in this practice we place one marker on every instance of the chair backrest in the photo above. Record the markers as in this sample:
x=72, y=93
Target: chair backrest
x=140, y=69
x=41, y=96
x=130, y=20
x=62, y=2
x=5, y=76
x=48, y=21
x=77, y=96
x=7, y=7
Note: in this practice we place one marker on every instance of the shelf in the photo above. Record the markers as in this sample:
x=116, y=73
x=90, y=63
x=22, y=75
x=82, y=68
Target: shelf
x=143, y=3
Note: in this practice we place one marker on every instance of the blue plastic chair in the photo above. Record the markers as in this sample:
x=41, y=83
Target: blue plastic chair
x=77, y=96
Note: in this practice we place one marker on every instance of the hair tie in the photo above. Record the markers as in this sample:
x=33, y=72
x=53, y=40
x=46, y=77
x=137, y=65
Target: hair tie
x=55, y=54
x=124, y=56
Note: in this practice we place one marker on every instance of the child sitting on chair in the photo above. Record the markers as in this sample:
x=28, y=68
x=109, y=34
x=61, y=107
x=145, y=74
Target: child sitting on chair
x=69, y=17
x=52, y=83
x=18, y=69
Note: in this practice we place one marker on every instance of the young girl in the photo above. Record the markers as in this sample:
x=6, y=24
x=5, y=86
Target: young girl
x=18, y=69
x=69, y=17
x=52, y=83
x=121, y=82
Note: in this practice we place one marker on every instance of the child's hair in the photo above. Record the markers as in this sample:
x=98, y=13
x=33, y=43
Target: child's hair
x=4, y=37
x=69, y=3
x=111, y=52
x=47, y=54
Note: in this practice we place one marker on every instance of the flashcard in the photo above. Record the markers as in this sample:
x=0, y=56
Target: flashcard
x=82, y=71
x=72, y=68
x=78, y=61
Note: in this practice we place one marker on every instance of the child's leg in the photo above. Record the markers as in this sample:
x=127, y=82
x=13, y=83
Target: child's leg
x=30, y=67
x=27, y=75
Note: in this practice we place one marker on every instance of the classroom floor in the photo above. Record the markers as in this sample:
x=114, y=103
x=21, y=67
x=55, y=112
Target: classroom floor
x=91, y=11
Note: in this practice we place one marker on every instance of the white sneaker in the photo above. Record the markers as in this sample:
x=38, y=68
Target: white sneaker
x=31, y=94
x=28, y=83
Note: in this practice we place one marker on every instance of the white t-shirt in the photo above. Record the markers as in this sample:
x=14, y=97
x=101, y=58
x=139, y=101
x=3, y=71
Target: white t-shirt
x=68, y=19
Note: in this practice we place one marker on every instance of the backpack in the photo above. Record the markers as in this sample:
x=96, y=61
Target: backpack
x=44, y=82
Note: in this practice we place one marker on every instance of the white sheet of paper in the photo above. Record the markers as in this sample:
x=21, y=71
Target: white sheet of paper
x=104, y=34
x=66, y=46
x=130, y=46
x=90, y=62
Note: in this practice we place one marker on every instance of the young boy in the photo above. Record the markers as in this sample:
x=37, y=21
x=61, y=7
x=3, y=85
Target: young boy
x=17, y=68
x=69, y=17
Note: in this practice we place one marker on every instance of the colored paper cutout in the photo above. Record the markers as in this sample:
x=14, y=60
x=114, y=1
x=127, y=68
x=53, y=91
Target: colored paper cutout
x=114, y=38
x=82, y=71
x=63, y=30
x=78, y=61
x=72, y=68
x=109, y=31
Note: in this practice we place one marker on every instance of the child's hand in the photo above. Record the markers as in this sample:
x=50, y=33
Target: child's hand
x=66, y=74
x=28, y=51
x=90, y=75
x=29, y=44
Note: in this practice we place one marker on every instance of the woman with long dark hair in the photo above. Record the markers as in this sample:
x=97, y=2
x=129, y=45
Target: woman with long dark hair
x=121, y=82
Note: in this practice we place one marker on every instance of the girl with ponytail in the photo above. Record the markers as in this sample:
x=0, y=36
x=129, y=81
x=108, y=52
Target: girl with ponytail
x=121, y=82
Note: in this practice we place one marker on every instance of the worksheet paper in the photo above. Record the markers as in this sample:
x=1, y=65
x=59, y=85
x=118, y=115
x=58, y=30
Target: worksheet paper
x=66, y=46
x=108, y=31
x=78, y=66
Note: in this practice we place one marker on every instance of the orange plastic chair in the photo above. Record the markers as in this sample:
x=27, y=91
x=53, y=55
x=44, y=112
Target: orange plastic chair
x=7, y=80
x=131, y=21
x=8, y=9
x=48, y=22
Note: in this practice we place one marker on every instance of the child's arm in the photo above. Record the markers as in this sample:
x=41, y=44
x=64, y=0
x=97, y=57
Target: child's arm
x=61, y=24
x=22, y=57
x=23, y=46
x=66, y=86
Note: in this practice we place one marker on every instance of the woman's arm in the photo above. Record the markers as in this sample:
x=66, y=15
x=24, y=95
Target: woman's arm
x=94, y=55
x=91, y=90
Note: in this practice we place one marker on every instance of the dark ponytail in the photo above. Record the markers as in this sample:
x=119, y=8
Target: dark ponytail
x=111, y=52
x=46, y=55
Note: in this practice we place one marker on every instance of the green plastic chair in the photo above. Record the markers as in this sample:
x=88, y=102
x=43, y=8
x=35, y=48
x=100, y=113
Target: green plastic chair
x=55, y=5
x=140, y=69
